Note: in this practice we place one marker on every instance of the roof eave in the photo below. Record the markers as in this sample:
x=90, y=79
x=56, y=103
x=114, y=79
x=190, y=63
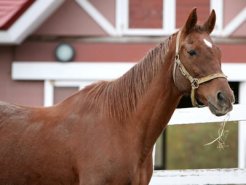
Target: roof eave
x=30, y=20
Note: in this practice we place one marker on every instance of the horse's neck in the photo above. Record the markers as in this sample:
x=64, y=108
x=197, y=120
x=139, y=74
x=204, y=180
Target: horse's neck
x=143, y=99
x=157, y=99
x=155, y=110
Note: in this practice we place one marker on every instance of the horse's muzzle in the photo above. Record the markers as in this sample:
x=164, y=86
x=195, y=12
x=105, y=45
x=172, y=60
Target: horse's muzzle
x=222, y=104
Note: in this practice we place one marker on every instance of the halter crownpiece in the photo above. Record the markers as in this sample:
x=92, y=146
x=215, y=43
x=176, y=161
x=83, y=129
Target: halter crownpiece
x=195, y=82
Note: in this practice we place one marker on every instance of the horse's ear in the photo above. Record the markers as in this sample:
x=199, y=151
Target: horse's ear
x=191, y=21
x=210, y=23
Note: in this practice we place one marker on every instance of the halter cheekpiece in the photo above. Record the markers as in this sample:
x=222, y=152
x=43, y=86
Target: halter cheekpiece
x=195, y=82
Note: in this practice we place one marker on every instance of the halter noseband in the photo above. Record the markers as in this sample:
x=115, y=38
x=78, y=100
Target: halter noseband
x=195, y=82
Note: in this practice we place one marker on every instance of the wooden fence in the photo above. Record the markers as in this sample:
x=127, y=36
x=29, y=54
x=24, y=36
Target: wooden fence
x=203, y=176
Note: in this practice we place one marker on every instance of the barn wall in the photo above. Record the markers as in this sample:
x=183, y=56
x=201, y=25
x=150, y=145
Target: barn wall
x=70, y=20
x=183, y=9
x=21, y=92
x=145, y=13
x=70, y=23
x=231, y=9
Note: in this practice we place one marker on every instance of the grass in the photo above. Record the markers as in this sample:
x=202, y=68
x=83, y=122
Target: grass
x=186, y=146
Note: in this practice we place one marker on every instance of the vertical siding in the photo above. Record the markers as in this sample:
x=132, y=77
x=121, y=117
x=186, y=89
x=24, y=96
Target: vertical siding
x=183, y=9
x=145, y=13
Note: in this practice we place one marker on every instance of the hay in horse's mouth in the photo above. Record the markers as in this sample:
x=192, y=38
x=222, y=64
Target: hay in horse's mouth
x=221, y=132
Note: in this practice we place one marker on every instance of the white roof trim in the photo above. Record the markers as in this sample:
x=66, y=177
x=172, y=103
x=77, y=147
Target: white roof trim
x=35, y=15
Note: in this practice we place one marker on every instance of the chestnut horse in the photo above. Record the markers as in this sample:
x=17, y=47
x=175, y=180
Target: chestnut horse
x=104, y=134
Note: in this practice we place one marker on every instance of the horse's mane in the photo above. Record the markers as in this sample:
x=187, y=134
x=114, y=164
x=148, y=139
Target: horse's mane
x=120, y=96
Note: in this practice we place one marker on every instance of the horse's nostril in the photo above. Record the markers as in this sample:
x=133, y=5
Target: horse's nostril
x=221, y=96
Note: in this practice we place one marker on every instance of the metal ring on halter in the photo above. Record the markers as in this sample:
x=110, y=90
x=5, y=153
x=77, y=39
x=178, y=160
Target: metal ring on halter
x=195, y=82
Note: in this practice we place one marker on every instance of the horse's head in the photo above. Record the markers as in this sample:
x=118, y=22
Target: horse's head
x=197, y=69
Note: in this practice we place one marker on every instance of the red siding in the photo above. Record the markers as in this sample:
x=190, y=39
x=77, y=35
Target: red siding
x=106, y=8
x=233, y=53
x=113, y=52
x=231, y=10
x=61, y=93
x=18, y=92
x=70, y=20
x=145, y=13
x=84, y=51
x=183, y=8
x=10, y=11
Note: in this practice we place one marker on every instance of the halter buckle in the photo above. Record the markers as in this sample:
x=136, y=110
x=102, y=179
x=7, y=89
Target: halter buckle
x=195, y=83
x=177, y=56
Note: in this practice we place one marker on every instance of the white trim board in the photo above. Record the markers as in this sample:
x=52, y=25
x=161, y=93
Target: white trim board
x=94, y=70
x=68, y=71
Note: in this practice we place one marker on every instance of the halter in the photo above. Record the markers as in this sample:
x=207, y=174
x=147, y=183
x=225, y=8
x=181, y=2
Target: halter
x=195, y=82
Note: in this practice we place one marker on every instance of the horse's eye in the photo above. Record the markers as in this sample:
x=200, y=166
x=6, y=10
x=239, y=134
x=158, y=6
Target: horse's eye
x=192, y=52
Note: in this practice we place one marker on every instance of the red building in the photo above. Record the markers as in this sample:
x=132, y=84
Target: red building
x=107, y=36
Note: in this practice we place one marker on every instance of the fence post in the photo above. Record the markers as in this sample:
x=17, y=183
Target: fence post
x=242, y=129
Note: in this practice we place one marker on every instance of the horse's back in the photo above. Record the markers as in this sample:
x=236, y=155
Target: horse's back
x=32, y=150
x=63, y=145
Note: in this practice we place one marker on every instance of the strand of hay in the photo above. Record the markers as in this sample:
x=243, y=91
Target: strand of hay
x=221, y=132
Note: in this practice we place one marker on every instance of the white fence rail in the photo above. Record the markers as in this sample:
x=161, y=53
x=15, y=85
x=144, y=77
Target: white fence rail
x=203, y=115
x=203, y=176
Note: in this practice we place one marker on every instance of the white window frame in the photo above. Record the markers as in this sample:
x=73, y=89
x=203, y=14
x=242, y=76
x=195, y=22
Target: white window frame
x=168, y=17
x=222, y=30
x=121, y=26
